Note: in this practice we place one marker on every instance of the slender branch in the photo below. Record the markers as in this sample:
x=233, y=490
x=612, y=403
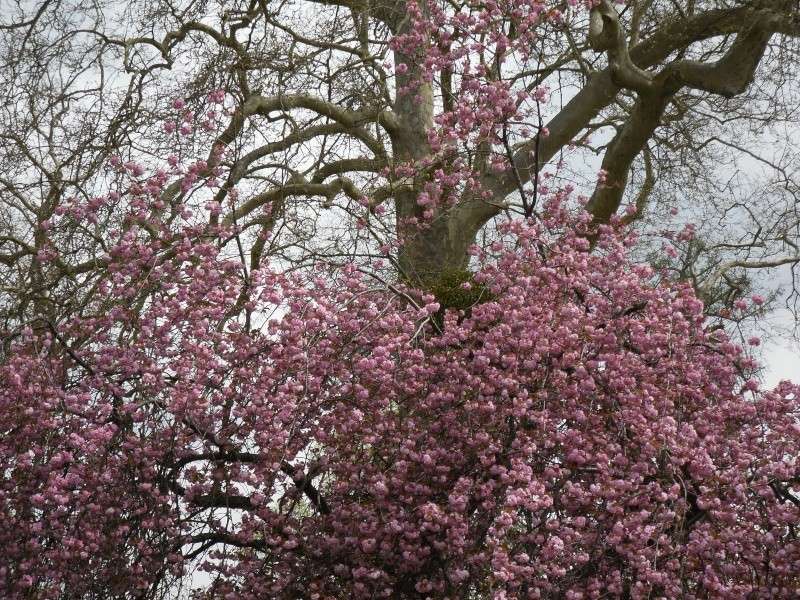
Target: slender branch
x=301, y=480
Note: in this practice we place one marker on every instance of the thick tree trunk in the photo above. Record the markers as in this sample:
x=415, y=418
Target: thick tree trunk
x=429, y=248
x=436, y=249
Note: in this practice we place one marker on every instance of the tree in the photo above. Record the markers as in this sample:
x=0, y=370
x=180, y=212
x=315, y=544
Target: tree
x=319, y=119
x=201, y=365
x=596, y=440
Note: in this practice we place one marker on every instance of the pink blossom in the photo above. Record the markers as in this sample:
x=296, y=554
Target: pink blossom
x=216, y=96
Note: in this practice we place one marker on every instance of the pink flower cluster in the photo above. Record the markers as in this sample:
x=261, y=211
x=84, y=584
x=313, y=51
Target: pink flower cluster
x=485, y=109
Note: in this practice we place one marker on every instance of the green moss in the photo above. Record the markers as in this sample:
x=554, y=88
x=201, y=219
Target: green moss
x=451, y=293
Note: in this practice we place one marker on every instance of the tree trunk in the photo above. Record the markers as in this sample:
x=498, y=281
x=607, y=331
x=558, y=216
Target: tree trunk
x=435, y=249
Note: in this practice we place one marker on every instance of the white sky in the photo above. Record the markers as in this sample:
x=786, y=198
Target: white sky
x=783, y=362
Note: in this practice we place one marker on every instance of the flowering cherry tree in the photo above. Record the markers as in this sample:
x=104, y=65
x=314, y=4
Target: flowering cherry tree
x=577, y=432
x=436, y=112
x=536, y=416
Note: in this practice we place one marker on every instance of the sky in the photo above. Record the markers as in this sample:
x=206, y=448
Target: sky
x=783, y=360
